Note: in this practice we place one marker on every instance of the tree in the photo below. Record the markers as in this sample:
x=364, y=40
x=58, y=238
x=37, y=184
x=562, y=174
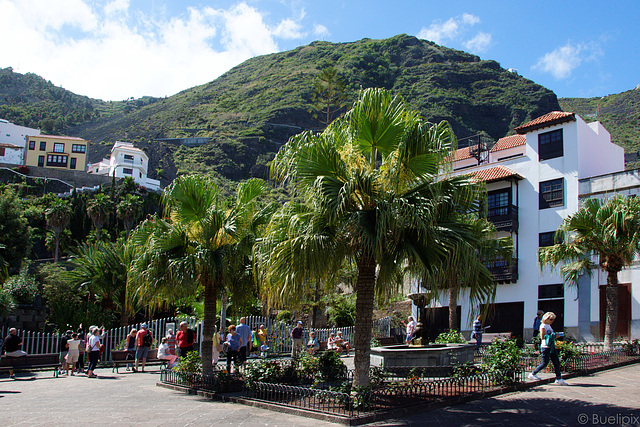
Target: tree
x=98, y=210
x=329, y=95
x=195, y=248
x=370, y=182
x=15, y=233
x=58, y=216
x=608, y=230
x=128, y=211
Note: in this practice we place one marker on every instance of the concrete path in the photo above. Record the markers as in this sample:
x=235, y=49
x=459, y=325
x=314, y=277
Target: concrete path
x=608, y=398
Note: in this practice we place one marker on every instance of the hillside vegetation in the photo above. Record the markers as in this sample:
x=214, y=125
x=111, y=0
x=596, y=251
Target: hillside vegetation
x=255, y=107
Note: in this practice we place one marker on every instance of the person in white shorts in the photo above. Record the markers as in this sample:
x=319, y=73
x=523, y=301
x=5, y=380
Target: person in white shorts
x=73, y=353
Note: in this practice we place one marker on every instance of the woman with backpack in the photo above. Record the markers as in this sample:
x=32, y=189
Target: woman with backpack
x=548, y=349
x=144, y=341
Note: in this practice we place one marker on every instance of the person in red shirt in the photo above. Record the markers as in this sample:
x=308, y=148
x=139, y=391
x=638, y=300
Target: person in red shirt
x=142, y=350
x=185, y=337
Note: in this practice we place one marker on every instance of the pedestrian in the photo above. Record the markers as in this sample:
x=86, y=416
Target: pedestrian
x=245, y=334
x=536, y=328
x=477, y=331
x=163, y=354
x=216, y=341
x=64, y=349
x=12, y=344
x=411, y=328
x=312, y=345
x=548, y=349
x=144, y=341
x=171, y=342
x=73, y=346
x=185, y=338
x=262, y=337
x=233, y=344
x=94, y=346
x=296, y=337
x=83, y=345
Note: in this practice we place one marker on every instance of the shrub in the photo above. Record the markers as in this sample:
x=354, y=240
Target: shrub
x=450, y=337
x=566, y=352
x=331, y=368
x=22, y=288
x=191, y=363
x=502, y=357
x=268, y=371
x=283, y=316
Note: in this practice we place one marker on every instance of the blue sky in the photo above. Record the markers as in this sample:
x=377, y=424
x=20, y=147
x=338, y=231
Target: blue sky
x=116, y=49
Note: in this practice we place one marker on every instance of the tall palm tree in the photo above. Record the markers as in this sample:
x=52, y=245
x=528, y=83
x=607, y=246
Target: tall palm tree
x=128, y=210
x=370, y=181
x=58, y=216
x=608, y=230
x=98, y=210
x=197, y=247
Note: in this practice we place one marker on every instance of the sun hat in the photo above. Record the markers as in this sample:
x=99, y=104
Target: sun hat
x=299, y=322
x=144, y=326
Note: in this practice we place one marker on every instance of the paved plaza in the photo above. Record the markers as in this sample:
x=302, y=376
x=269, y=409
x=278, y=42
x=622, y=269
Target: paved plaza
x=608, y=398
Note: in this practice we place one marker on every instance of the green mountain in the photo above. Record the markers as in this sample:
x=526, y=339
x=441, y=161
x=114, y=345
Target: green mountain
x=251, y=110
x=619, y=114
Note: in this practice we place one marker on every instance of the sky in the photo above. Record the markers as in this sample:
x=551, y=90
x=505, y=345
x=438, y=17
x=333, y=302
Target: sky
x=118, y=49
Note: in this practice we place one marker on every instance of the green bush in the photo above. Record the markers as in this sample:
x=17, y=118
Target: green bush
x=566, y=352
x=341, y=309
x=451, y=337
x=283, y=316
x=502, y=357
x=331, y=368
x=191, y=363
x=22, y=288
x=269, y=371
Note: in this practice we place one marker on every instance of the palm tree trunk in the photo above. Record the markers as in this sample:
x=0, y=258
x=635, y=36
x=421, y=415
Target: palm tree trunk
x=453, y=309
x=208, y=326
x=56, y=253
x=611, y=292
x=223, y=312
x=314, y=309
x=365, y=286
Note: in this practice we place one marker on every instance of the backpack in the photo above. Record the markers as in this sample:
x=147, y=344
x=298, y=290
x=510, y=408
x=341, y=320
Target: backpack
x=147, y=339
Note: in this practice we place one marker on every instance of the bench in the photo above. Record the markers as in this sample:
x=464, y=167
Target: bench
x=119, y=358
x=490, y=337
x=32, y=361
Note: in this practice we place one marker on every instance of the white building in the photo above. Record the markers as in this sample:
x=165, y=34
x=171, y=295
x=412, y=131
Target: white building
x=13, y=142
x=603, y=187
x=126, y=160
x=532, y=183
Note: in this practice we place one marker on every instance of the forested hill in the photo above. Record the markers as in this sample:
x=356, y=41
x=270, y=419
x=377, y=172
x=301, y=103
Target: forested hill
x=255, y=107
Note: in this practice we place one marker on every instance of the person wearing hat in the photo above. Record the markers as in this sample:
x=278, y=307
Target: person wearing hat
x=296, y=336
x=142, y=348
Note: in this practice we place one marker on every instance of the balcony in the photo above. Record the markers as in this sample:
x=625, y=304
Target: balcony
x=505, y=218
x=502, y=271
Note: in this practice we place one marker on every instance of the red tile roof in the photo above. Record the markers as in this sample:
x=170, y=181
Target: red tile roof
x=6, y=145
x=496, y=173
x=549, y=119
x=462, y=154
x=70, y=138
x=509, y=142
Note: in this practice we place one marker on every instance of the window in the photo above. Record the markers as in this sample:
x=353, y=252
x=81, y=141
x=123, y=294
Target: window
x=72, y=163
x=40, y=161
x=550, y=145
x=128, y=157
x=32, y=145
x=78, y=148
x=1, y=151
x=551, y=291
x=57, y=161
x=43, y=146
x=140, y=174
x=548, y=239
x=127, y=171
x=552, y=193
x=58, y=147
x=498, y=202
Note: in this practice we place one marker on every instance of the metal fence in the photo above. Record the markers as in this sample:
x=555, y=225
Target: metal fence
x=36, y=342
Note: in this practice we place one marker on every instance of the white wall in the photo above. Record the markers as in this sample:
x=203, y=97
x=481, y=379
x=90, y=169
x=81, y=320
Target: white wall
x=597, y=154
x=12, y=156
x=14, y=134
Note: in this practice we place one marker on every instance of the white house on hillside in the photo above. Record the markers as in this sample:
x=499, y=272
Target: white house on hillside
x=532, y=183
x=13, y=142
x=126, y=160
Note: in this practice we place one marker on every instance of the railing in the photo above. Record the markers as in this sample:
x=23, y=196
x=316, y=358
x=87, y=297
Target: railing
x=36, y=342
x=503, y=271
x=330, y=402
x=505, y=218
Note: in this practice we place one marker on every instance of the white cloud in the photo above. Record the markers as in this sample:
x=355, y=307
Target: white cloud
x=453, y=30
x=109, y=57
x=480, y=43
x=320, y=30
x=561, y=62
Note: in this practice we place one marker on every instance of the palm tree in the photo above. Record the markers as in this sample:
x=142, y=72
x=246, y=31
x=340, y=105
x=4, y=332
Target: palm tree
x=98, y=210
x=373, y=196
x=608, y=230
x=196, y=247
x=58, y=216
x=128, y=210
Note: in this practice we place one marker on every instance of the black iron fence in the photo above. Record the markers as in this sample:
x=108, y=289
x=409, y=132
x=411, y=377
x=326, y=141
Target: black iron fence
x=326, y=401
x=218, y=382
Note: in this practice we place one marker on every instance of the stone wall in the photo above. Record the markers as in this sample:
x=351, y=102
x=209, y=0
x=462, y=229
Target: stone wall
x=26, y=317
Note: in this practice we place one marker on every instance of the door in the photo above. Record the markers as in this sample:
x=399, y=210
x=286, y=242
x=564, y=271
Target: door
x=436, y=321
x=506, y=317
x=556, y=306
x=623, y=325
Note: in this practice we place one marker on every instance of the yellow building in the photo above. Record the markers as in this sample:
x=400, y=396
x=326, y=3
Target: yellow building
x=56, y=152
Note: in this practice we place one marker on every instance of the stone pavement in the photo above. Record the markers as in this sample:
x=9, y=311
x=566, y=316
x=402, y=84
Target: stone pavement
x=607, y=398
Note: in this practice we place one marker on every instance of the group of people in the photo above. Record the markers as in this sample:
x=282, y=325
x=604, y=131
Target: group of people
x=239, y=343
x=336, y=342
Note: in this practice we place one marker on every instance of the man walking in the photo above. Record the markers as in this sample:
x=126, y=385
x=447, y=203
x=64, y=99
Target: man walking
x=296, y=336
x=144, y=340
x=12, y=344
x=537, y=322
x=244, y=332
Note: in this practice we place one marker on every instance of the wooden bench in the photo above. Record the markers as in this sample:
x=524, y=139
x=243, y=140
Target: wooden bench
x=119, y=358
x=32, y=361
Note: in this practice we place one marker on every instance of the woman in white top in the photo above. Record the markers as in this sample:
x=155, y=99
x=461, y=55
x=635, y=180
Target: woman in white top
x=73, y=354
x=94, y=346
x=548, y=349
x=163, y=353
